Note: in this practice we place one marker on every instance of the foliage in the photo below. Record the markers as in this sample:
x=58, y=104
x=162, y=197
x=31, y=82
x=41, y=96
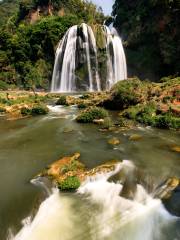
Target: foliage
x=35, y=110
x=88, y=115
x=73, y=166
x=152, y=35
x=126, y=93
x=62, y=100
x=28, y=50
x=82, y=105
x=70, y=183
x=148, y=114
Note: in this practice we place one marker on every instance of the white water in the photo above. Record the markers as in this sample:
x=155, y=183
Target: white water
x=116, y=63
x=110, y=216
x=64, y=77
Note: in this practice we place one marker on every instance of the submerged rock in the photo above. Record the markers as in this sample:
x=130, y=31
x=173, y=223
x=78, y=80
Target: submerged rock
x=175, y=149
x=114, y=141
x=135, y=137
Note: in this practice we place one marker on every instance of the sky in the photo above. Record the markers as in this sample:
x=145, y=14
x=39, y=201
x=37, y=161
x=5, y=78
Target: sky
x=105, y=4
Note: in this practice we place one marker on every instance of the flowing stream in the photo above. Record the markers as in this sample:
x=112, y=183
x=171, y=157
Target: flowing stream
x=98, y=211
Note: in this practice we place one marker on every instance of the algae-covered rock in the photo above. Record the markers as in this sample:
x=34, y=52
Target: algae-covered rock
x=135, y=137
x=114, y=141
x=175, y=149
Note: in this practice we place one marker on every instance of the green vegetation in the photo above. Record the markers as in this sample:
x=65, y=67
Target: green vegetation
x=29, y=34
x=148, y=115
x=151, y=33
x=70, y=183
x=73, y=166
x=126, y=93
x=62, y=101
x=35, y=110
x=92, y=113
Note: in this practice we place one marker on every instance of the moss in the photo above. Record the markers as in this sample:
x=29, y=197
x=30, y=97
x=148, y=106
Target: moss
x=87, y=116
x=127, y=93
x=70, y=183
x=62, y=101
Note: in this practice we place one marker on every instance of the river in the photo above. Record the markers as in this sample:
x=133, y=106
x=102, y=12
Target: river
x=28, y=145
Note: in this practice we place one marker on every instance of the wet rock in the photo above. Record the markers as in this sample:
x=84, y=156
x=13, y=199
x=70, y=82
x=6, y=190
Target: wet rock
x=135, y=137
x=68, y=130
x=175, y=149
x=68, y=172
x=169, y=192
x=98, y=121
x=114, y=141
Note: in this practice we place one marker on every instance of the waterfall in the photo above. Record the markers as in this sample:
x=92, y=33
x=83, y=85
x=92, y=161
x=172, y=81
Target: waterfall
x=78, y=65
x=102, y=213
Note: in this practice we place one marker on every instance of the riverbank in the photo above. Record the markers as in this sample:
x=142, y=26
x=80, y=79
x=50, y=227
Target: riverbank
x=148, y=103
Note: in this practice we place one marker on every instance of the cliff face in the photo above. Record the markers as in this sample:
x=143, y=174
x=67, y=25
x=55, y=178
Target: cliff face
x=151, y=33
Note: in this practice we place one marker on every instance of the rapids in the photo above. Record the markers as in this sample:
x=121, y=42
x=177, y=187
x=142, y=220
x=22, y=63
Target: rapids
x=112, y=217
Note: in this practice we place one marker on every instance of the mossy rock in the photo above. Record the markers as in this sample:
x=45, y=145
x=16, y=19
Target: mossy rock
x=114, y=141
x=62, y=101
x=127, y=93
x=135, y=137
x=90, y=114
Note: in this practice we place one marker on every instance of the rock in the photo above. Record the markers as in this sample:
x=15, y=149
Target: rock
x=67, y=130
x=69, y=172
x=169, y=193
x=175, y=149
x=98, y=121
x=135, y=137
x=114, y=141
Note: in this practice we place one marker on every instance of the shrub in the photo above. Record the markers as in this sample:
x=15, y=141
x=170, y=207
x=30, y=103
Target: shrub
x=26, y=111
x=39, y=110
x=70, y=183
x=87, y=116
x=167, y=121
x=62, y=101
x=82, y=105
x=35, y=110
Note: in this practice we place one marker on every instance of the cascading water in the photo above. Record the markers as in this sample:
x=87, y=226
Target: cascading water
x=106, y=216
x=78, y=65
